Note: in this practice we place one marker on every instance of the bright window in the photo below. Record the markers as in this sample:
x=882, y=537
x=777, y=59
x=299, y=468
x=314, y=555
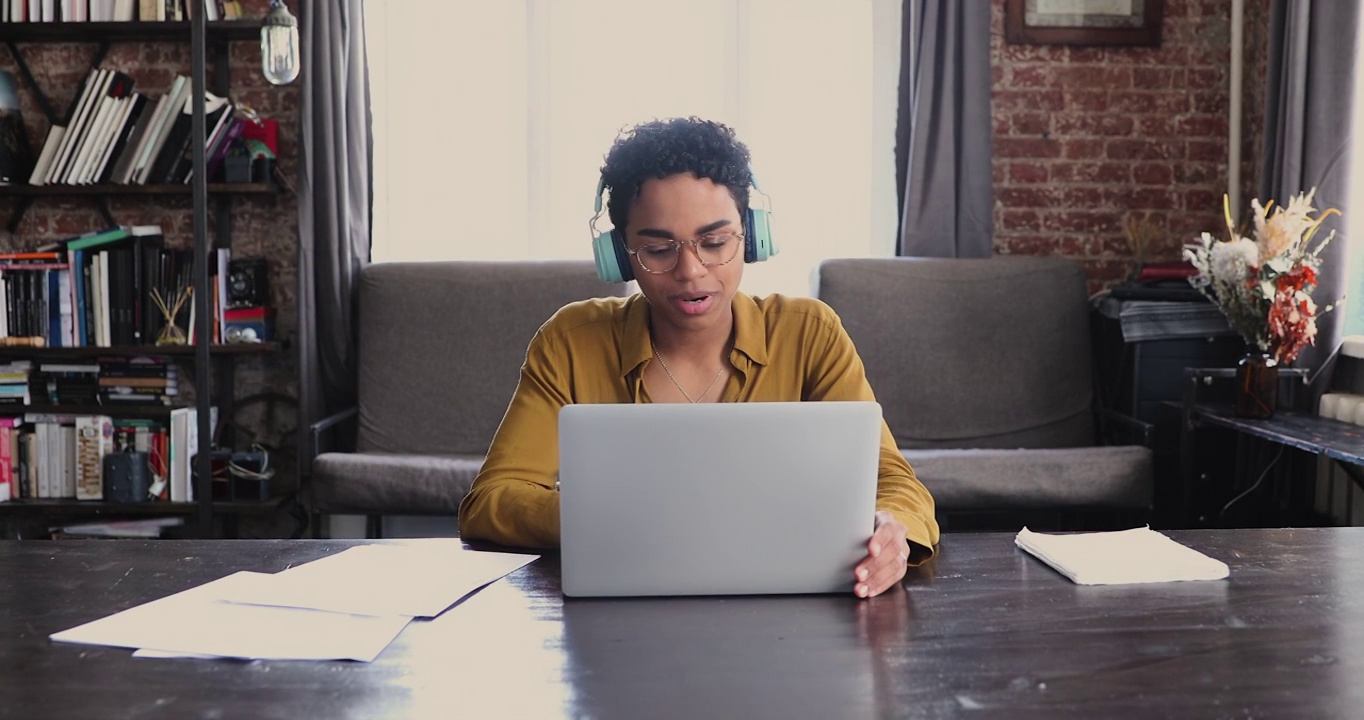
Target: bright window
x=492, y=118
x=1353, y=288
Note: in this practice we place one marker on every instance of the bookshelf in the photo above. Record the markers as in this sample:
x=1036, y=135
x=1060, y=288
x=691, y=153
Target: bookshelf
x=104, y=32
x=213, y=365
x=217, y=34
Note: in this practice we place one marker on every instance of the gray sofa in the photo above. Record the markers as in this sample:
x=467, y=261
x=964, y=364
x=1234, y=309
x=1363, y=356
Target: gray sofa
x=440, y=349
x=983, y=370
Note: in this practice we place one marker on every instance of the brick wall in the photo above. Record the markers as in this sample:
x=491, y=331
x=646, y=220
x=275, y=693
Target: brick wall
x=1086, y=136
x=1255, y=61
x=262, y=226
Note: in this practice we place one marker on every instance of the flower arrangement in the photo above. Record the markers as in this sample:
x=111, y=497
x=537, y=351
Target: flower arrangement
x=1264, y=283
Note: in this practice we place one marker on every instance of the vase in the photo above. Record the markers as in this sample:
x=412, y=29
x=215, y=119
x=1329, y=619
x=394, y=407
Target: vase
x=1257, y=385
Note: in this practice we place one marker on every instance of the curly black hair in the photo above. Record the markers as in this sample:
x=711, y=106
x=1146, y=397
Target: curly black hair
x=660, y=148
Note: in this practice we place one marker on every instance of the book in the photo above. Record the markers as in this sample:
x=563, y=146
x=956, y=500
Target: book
x=75, y=119
x=95, y=88
x=229, y=138
x=93, y=139
x=151, y=10
x=6, y=469
x=179, y=462
x=99, y=238
x=29, y=449
x=68, y=440
x=45, y=157
x=94, y=440
x=43, y=460
x=121, y=167
x=110, y=107
x=1151, y=272
x=147, y=241
x=178, y=131
x=166, y=111
x=178, y=168
x=123, y=130
x=184, y=444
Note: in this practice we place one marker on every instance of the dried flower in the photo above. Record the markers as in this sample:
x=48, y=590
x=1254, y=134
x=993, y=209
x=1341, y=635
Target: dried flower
x=1264, y=284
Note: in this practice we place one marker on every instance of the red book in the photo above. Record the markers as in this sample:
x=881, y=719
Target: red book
x=246, y=314
x=6, y=467
x=54, y=257
x=1175, y=270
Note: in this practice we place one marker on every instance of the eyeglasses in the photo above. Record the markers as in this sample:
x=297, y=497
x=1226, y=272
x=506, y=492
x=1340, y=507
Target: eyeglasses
x=660, y=256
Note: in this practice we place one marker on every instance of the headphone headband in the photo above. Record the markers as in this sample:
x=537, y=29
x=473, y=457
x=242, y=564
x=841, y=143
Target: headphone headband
x=613, y=262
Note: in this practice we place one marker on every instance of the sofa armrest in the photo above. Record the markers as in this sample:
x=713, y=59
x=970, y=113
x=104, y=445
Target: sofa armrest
x=320, y=430
x=1116, y=428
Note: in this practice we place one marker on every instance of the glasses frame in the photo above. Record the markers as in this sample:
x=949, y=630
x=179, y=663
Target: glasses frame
x=695, y=248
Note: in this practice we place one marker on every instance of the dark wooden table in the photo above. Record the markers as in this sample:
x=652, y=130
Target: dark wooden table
x=984, y=631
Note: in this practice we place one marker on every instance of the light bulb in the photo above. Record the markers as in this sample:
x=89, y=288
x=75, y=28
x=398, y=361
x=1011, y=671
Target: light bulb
x=279, y=44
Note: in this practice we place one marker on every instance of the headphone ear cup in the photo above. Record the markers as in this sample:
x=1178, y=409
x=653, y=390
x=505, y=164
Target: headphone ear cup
x=750, y=242
x=613, y=263
x=758, y=244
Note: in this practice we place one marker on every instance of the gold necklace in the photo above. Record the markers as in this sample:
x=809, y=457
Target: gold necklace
x=678, y=385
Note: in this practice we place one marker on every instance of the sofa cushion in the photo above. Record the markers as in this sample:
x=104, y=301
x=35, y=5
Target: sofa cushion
x=1001, y=479
x=441, y=346
x=988, y=353
x=393, y=483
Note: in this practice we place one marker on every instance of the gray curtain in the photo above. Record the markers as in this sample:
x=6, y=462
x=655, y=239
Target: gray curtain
x=334, y=202
x=1307, y=135
x=943, y=137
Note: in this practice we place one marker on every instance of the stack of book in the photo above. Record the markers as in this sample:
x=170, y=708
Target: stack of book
x=109, y=381
x=121, y=137
x=137, y=380
x=14, y=384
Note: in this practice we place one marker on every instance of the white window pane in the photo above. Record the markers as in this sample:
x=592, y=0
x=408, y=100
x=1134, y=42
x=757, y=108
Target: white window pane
x=492, y=119
x=809, y=124
x=454, y=141
x=1353, y=257
x=612, y=64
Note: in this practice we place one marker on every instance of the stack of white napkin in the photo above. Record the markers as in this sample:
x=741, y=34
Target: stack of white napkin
x=1140, y=555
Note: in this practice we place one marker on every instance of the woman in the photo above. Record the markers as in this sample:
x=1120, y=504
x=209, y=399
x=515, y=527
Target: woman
x=679, y=201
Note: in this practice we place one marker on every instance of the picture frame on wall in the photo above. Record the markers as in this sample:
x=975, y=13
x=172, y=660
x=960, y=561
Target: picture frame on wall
x=1083, y=22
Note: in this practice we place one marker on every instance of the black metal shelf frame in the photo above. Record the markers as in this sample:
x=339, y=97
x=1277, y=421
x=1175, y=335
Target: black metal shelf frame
x=211, y=380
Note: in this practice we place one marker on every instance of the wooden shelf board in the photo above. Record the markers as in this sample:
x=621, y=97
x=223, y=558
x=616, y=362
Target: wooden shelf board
x=114, y=189
x=128, y=411
x=188, y=351
x=68, y=506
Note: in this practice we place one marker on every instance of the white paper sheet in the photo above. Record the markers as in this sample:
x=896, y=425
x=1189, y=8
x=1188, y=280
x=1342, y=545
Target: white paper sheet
x=413, y=580
x=198, y=621
x=1140, y=555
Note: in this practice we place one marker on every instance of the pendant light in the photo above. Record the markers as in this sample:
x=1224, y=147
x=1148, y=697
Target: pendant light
x=279, y=44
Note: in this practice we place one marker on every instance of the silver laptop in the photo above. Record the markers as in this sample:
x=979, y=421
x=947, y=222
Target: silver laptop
x=716, y=499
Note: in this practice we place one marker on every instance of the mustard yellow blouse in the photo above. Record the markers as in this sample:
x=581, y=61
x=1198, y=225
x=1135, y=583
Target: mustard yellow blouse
x=595, y=351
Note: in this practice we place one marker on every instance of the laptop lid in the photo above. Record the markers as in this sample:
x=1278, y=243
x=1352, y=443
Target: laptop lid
x=716, y=499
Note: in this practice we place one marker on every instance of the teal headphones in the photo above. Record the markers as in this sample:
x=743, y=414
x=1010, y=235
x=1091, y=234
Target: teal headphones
x=613, y=262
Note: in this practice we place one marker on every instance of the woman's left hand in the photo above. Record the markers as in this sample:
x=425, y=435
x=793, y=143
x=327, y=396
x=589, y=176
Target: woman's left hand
x=887, y=557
